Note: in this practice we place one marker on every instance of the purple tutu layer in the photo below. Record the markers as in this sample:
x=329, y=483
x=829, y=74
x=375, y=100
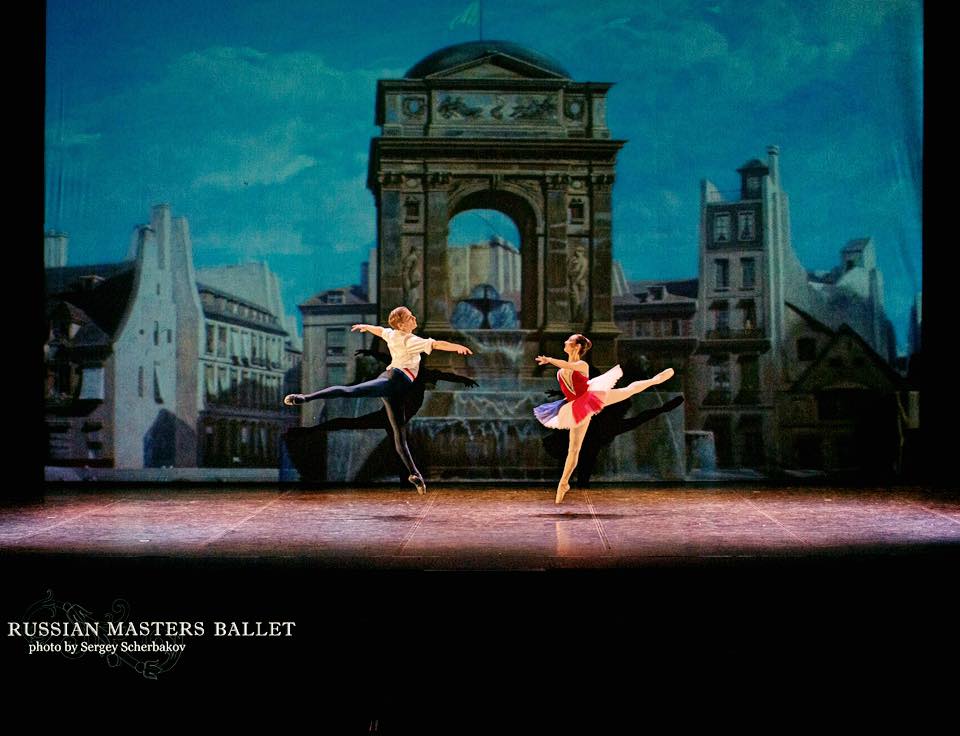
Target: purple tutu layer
x=545, y=412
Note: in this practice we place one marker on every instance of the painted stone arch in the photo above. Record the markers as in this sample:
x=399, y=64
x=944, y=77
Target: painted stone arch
x=514, y=198
x=526, y=214
x=495, y=126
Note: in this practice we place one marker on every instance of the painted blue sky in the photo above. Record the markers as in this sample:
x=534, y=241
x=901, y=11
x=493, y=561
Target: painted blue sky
x=253, y=118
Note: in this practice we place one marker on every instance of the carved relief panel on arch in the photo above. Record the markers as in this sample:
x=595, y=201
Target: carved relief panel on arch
x=574, y=108
x=493, y=108
x=414, y=107
x=404, y=114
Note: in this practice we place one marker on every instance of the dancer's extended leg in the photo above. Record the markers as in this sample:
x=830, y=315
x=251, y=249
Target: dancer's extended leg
x=573, y=454
x=380, y=386
x=620, y=394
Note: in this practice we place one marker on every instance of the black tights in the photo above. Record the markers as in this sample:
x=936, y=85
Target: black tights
x=389, y=387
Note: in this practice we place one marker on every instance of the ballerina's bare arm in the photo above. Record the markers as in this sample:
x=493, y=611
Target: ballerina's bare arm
x=580, y=365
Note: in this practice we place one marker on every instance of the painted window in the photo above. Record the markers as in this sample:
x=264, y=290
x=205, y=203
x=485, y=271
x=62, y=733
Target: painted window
x=577, y=212
x=748, y=273
x=336, y=375
x=749, y=310
x=721, y=227
x=91, y=384
x=210, y=381
x=157, y=396
x=749, y=373
x=336, y=341
x=722, y=266
x=411, y=210
x=722, y=319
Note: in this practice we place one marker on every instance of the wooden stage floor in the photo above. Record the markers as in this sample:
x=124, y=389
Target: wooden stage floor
x=400, y=599
x=457, y=527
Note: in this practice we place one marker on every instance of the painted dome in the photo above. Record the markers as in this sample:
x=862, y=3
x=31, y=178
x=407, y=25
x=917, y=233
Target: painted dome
x=463, y=53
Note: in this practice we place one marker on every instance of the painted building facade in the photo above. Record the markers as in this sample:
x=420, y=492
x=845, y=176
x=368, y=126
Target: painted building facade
x=146, y=367
x=329, y=345
x=745, y=334
x=120, y=371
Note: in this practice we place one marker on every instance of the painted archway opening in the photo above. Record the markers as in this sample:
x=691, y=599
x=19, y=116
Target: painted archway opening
x=493, y=286
x=483, y=258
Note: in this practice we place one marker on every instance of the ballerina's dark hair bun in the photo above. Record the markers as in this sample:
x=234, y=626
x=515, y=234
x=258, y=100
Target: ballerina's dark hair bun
x=584, y=342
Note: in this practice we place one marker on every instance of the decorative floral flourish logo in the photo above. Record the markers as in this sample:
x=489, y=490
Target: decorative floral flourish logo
x=132, y=651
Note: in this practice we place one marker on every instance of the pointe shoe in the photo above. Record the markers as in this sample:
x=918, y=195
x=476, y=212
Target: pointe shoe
x=293, y=399
x=561, y=492
x=418, y=482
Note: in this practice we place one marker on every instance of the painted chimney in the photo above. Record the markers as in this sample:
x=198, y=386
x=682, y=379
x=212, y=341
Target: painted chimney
x=773, y=162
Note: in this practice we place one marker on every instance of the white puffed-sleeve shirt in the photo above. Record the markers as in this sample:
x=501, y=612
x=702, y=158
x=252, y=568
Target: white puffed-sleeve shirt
x=405, y=349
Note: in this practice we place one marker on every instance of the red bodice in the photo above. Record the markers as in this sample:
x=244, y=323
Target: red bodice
x=579, y=385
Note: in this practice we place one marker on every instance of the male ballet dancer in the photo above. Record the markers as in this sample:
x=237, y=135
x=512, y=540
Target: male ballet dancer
x=391, y=385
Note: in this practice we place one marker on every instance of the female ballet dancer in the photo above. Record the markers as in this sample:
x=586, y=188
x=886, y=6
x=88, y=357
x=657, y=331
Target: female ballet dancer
x=584, y=397
x=391, y=385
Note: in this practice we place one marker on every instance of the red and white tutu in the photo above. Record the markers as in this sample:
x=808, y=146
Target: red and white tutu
x=582, y=400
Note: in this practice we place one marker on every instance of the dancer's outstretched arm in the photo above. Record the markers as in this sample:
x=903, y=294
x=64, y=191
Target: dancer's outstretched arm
x=452, y=347
x=372, y=329
x=578, y=365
